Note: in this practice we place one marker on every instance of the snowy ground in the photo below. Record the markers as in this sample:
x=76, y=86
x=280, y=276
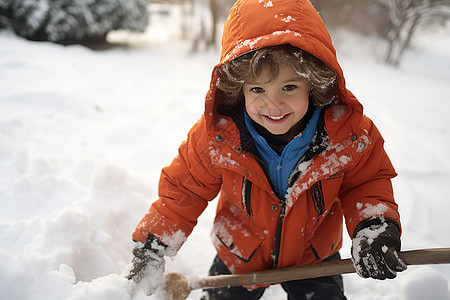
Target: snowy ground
x=84, y=134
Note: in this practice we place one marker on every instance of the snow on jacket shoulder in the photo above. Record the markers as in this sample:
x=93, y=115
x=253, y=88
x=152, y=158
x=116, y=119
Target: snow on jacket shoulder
x=253, y=229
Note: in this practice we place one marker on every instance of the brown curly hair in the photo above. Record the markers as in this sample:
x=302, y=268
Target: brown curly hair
x=245, y=68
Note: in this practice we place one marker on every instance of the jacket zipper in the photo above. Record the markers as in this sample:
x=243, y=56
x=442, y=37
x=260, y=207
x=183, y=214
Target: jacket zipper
x=246, y=196
x=277, y=247
x=317, y=195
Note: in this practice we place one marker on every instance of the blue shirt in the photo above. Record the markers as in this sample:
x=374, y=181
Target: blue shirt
x=280, y=166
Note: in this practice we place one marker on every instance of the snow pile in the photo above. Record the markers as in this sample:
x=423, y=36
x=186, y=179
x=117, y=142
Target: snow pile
x=425, y=283
x=111, y=287
x=59, y=227
x=84, y=135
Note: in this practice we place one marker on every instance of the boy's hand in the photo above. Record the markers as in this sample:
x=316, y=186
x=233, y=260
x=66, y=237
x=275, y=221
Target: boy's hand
x=375, y=248
x=147, y=264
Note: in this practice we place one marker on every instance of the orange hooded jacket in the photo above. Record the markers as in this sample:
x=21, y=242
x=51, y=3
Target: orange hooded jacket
x=253, y=229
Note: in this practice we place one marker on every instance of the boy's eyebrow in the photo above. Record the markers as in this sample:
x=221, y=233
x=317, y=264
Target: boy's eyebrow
x=255, y=82
x=296, y=78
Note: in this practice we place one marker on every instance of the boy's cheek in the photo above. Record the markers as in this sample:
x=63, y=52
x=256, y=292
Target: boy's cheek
x=255, y=116
x=251, y=108
x=250, y=103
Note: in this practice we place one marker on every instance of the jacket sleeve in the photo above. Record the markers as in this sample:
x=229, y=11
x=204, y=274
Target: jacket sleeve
x=185, y=187
x=366, y=191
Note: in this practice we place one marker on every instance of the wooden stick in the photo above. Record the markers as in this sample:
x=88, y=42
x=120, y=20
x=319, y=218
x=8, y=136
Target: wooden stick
x=328, y=268
x=179, y=286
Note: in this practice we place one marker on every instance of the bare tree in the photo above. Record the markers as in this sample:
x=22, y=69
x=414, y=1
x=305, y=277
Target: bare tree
x=201, y=19
x=406, y=17
x=207, y=16
x=219, y=11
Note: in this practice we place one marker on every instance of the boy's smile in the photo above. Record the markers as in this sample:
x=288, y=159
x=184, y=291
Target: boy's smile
x=277, y=118
x=278, y=103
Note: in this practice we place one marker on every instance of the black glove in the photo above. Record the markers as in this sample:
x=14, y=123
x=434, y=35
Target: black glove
x=146, y=263
x=375, y=247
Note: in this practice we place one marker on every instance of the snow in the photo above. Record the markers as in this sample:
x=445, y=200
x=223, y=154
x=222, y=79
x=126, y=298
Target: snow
x=111, y=286
x=421, y=282
x=84, y=135
x=371, y=210
x=285, y=18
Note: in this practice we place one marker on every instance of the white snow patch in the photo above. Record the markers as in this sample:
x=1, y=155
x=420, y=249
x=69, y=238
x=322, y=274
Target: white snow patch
x=424, y=283
x=266, y=3
x=222, y=121
x=285, y=18
x=339, y=110
x=368, y=210
x=110, y=287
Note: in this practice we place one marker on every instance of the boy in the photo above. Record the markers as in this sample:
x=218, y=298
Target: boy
x=289, y=151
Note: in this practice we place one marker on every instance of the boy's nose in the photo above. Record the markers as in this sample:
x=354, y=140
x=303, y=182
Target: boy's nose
x=273, y=101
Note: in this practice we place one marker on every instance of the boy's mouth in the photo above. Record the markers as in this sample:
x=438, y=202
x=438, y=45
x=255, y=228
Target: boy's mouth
x=276, y=118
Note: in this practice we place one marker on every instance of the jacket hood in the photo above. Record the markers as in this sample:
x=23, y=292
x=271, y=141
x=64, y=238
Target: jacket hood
x=254, y=24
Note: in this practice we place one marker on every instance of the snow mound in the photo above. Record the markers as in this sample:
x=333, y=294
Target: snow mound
x=425, y=283
x=64, y=223
x=111, y=287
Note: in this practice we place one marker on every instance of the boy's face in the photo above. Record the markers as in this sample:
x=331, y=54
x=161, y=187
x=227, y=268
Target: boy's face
x=279, y=103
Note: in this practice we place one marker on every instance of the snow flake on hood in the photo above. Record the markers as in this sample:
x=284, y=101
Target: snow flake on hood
x=339, y=110
x=281, y=32
x=254, y=43
x=266, y=3
x=250, y=44
x=284, y=18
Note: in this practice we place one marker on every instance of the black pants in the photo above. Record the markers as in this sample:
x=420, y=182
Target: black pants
x=323, y=288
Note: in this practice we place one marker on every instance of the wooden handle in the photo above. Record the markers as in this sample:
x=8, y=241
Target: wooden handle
x=426, y=256
x=328, y=268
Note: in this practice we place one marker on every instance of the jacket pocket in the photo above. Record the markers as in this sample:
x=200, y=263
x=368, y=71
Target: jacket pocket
x=327, y=237
x=240, y=235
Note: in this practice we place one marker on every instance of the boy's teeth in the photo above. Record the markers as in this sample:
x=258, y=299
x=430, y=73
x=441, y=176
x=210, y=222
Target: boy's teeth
x=276, y=118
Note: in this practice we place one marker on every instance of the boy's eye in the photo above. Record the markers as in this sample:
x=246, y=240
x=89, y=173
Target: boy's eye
x=289, y=87
x=257, y=90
